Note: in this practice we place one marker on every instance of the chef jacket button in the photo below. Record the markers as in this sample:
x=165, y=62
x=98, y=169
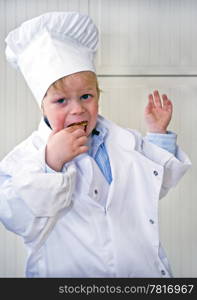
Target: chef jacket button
x=163, y=272
x=155, y=173
x=96, y=191
x=151, y=221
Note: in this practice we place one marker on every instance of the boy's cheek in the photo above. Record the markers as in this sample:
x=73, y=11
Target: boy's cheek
x=56, y=124
x=92, y=125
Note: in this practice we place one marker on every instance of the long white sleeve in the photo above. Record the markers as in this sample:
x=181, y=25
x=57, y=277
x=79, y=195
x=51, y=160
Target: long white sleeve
x=30, y=199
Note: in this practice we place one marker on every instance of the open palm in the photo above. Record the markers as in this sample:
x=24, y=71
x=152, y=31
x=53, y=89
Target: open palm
x=158, y=113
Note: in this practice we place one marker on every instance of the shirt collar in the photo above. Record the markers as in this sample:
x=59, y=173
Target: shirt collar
x=96, y=139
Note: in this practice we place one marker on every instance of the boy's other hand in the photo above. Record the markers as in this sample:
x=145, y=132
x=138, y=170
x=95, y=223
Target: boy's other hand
x=158, y=113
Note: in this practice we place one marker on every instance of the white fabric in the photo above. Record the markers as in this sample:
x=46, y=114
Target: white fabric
x=51, y=46
x=94, y=230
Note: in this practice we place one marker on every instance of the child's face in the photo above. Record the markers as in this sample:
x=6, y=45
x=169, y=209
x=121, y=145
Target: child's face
x=72, y=99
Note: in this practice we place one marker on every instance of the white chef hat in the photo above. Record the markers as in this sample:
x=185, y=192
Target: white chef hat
x=51, y=46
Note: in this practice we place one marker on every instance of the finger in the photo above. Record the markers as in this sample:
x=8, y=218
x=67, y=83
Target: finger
x=157, y=99
x=169, y=106
x=165, y=99
x=150, y=100
x=78, y=132
x=74, y=131
x=81, y=141
x=72, y=128
x=150, y=104
x=82, y=149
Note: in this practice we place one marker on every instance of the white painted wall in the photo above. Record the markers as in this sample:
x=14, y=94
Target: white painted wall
x=137, y=37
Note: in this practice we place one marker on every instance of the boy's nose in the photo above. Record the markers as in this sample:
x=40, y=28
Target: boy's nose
x=77, y=107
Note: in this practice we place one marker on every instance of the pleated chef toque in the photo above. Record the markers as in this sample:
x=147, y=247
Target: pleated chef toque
x=51, y=46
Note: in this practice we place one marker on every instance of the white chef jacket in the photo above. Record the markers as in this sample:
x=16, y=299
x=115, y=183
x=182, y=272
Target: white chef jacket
x=74, y=223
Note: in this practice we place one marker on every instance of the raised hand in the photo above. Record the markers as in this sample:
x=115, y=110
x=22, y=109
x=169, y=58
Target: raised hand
x=158, y=113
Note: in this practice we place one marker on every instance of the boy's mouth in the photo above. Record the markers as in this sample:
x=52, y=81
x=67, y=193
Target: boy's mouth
x=84, y=124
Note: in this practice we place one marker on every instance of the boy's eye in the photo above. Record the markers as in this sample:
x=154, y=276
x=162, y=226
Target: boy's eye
x=61, y=100
x=86, y=96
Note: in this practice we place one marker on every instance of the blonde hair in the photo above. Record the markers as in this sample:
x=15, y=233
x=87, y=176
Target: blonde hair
x=58, y=83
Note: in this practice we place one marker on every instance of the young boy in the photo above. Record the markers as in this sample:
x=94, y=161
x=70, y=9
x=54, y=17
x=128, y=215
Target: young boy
x=82, y=191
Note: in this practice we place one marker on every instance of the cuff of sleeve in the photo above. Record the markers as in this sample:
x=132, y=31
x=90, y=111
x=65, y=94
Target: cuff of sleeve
x=166, y=141
x=168, y=135
x=49, y=170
